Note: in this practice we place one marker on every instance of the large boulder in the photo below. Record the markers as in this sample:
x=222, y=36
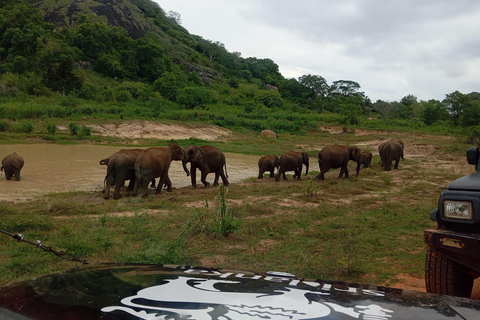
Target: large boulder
x=269, y=134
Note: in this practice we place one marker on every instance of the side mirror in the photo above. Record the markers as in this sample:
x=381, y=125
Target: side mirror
x=472, y=155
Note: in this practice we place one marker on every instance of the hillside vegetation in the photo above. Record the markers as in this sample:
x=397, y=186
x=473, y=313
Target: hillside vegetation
x=128, y=59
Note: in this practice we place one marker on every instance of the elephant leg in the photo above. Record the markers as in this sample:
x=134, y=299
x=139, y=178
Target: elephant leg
x=215, y=181
x=144, y=182
x=16, y=174
x=320, y=176
x=131, y=184
x=119, y=183
x=342, y=172
x=168, y=184
x=224, y=178
x=271, y=173
x=108, y=183
x=204, y=179
x=387, y=165
x=277, y=176
x=260, y=173
x=152, y=185
x=396, y=164
x=193, y=176
x=284, y=176
x=8, y=174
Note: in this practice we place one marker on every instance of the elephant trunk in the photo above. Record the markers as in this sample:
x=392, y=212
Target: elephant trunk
x=306, y=166
x=358, y=168
x=184, y=163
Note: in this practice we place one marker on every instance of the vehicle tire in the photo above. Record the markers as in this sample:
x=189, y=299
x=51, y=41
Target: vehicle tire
x=445, y=276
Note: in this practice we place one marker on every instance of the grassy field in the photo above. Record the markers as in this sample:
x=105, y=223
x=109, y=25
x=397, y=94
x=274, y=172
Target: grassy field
x=365, y=229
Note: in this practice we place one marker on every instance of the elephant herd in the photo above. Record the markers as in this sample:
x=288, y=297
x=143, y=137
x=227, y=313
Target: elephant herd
x=142, y=166
x=330, y=157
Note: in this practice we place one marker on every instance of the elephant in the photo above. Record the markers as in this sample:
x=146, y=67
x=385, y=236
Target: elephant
x=366, y=159
x=120, y=164
x=207, y=159
x=12, y=164
x=120, y=167
x=337, y=156
x=292, y=161
x=391, y=151
x=267, y=163
x=154, y=163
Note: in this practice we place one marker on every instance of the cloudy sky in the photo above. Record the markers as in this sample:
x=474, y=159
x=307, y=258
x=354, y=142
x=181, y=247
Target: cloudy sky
x=392, y=48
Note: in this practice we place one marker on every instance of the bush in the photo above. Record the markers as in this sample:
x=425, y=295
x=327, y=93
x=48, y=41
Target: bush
x=51, y=128
x=73, y=128
x=3, y=126
x=270, y=98
x=192, y=97
x=25, y=127
x=85, y=131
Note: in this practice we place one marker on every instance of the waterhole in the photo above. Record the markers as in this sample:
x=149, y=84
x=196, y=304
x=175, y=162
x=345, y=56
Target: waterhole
x=60, y=168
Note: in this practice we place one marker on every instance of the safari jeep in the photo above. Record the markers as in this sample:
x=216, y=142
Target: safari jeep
x=453, y=254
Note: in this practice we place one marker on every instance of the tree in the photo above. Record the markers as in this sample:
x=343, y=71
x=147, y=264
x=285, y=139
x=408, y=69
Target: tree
x=316, y=84
x=433, y=111
x=56, y=64
x=455, y=104
x=175, y=17
x=344, y=87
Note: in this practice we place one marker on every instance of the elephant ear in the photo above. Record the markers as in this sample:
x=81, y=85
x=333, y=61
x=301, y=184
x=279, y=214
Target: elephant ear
x=355, y=154
x=305, y=157
x=195, y=154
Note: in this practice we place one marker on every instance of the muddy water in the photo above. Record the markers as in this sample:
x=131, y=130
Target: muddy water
x=60, y=168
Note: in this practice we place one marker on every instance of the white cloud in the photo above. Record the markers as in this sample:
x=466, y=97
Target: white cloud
x=427, y=48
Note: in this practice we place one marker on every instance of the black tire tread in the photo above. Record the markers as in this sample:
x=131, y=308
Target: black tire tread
x=445, y=276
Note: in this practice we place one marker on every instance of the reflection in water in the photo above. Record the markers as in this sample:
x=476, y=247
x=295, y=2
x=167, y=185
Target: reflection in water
x=61, y=168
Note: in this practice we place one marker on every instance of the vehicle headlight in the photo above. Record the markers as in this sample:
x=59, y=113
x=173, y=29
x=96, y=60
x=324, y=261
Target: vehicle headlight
x=458, y=209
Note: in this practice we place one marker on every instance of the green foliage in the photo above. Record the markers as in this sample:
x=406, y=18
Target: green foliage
x=191, y=97
x=85, y=131
x=4, y=125
x=269, y=98
x=51, y=128
x=23, y=127
x=73, y=128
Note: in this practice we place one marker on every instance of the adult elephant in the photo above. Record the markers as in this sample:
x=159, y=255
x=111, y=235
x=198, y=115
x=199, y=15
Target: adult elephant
x=391, y=151
x=337, y=156
x=154, y=163
x=267, y=163
x=12, y=164
x=120, y=168
x=366, y=159
x=207, y=159
x=292, y=161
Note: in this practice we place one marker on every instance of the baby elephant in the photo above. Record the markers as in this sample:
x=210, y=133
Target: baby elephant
x=12, y=164
x=267, y=164
x=366, y=159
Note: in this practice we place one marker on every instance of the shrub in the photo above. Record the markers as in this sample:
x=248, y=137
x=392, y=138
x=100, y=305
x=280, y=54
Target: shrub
x=85, y=131
x=73, y=128
x=192, y=97
x=25, y=127
x=270, y=98
x=51, y=128
x=3, y=125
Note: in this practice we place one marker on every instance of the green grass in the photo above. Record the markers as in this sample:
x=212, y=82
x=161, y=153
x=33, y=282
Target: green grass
x=363, y=229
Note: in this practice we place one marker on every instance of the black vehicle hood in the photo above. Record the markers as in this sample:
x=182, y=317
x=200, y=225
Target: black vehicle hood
x=469, y=182
x=171, y=292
